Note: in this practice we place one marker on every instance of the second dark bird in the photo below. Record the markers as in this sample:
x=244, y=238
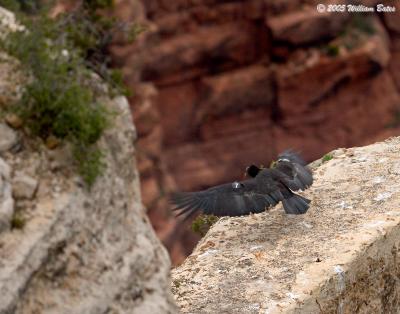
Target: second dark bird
x=266, y=188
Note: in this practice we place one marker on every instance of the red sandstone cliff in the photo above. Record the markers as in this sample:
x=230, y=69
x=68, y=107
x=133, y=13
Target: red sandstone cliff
x=221, y=84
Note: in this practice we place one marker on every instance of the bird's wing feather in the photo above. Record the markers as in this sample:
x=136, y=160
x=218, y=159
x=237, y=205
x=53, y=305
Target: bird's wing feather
x=292, y=157
x=225, y=200
x=294, y=176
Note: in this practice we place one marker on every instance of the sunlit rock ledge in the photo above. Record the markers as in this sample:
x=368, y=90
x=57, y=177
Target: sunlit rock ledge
x=340, y=257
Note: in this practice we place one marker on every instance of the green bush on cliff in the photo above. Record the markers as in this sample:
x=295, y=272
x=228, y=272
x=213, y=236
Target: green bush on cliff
x=355, y=32
x=27, y=6
x=332, y=50
x=203, y=223
x=17, y=221
x=327, y=157
x=59, y=100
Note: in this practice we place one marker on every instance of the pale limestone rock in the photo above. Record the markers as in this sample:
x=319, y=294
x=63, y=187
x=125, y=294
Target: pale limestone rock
x=11, y=80
x=24, y=186
x=6, y=200
x=8, y=22
x=340, y=257
x=5, y=169
x=8, y=138
x=82, y=251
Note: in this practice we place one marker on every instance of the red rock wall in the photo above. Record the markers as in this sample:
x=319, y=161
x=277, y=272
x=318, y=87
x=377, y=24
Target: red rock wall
x=222, y=84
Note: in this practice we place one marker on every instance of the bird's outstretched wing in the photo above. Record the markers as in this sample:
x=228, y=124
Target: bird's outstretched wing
x=231, y=199
x=292, y=157
x=296, y=174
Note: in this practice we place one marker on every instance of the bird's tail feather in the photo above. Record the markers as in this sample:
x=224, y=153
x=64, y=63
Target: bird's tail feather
x=184, y=205
x=296, y=204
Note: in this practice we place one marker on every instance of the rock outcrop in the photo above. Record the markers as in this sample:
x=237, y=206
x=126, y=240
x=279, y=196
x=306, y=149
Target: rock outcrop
x=65, y=249
x=340, y=257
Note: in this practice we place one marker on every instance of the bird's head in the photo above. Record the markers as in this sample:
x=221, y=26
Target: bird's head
x=252, y=171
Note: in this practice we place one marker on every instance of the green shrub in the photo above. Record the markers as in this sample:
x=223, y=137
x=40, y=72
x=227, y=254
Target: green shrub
x=17, y=221
x=203, y=223
x=332, y=50
x=27, y=6
x=59, y=56
x=58, y=99
x=327, y=157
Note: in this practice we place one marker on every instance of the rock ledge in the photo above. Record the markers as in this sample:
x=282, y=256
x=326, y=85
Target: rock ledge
x=341, y=257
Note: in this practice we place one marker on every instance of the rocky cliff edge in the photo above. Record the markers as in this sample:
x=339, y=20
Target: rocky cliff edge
x=63, y=248
x=340, y=257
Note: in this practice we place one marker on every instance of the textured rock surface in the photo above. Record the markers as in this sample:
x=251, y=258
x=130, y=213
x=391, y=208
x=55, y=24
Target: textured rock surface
x=6, y=200
x=24, y=186
x=8, y=22
x=80, y=251
x=340, y=257
x=72, y=250
x=393, y=20
x=8, y=138
x=306, y=26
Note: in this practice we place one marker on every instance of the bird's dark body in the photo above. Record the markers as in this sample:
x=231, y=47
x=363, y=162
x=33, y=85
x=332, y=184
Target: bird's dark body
x=266, y=188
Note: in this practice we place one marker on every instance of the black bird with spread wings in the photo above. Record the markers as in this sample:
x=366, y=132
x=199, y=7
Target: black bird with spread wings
x=266, y=188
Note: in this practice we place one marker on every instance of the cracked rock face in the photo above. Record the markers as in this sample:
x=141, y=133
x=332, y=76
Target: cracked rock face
x=340, y=257
x=6, y=200
x=72, y=250
x=8, y=138
x=24, y=186
x=79, y=251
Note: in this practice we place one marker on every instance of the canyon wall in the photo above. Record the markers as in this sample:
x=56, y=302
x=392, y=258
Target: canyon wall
x=221, y=84
x=65, y=248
